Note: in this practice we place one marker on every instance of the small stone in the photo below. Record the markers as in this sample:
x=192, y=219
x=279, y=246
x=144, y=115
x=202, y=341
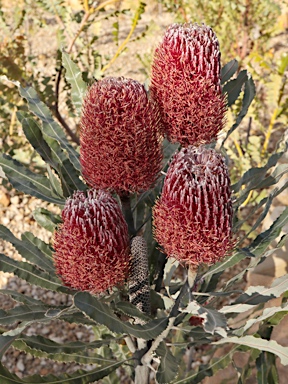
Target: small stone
x=14, y=200
x=4, y=199
x=5, y=221
x=79, y=335
x=20, y=365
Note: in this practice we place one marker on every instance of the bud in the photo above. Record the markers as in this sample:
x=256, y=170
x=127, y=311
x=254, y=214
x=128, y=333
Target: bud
x=185, y=82
x=92, y=244
x=120, y=141
x=193, y=216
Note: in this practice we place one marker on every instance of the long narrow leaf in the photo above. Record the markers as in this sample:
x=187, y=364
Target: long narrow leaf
x=5, y=343
x=52, y=153
x=31, y=274
x=27, y=181
x=40, y=244
x=208, y=370
x=168, y=368
x=20, y=297
x=249, y=93
x=74, y=351
x=28, y=251
x=74, y=77
x=233, y=87
x=27, y=313
x=102, y=314
x=51, y=128
x=260, y=344
x=46, y=219
x=79, y=377
x=228, y=70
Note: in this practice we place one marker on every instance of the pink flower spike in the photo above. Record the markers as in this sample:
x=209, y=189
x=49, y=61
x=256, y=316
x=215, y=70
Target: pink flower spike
x=185, y=82
x=120, y=140
x=92, y=244
x=193, y=216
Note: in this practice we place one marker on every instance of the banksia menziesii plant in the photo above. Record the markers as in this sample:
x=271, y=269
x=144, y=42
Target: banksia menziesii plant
x=193, y=216
x=120, y=141
x=92, y=244
x=185, y=82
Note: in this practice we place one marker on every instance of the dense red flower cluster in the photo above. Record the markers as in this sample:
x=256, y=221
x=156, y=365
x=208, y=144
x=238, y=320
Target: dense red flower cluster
x=120, y=140
x=185, y=82
x=92, y=244
x=193, y=216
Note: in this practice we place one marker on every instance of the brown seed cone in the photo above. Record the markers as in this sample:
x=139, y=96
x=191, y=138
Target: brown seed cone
x=139, y=288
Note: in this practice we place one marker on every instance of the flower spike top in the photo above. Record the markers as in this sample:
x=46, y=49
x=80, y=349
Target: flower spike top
x=193, y=216
x=92, y=244
x=120, y=140
x=185, y=82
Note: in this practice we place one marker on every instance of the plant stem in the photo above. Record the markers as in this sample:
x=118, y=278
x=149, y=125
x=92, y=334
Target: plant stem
x=122, y=46
x=127, y=211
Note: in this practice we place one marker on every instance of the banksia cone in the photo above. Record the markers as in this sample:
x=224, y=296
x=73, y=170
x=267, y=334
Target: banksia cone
x=193, y=216
x=120, y=142
x=185, y=82
x=139, y=288
x=92, y=244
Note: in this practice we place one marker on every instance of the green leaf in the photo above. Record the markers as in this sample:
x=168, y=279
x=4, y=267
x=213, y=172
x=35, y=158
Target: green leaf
x=27, y=313
x=31, y=274
x=264, y=239
x=255, y=175
x=20, y=297
x=130, y=310
x=79, y=377
x=5, y=343
x=47, y=219
x=233, y=87
x=267, y=314
x=209, y=369
x=268, y=200
x=51, y=152
x=40, y=244
x=228, y=70
x=27, y=181
x=102, y=314
x=249, y=93
x=255, y=295
x=34, y=135
x=50, y=127
x=168, y=368
x=228, y=262
x=77, y=351
x=260, y=344
x=256, y=259
x=74, y=77
x=28, y=250
x=266, y=369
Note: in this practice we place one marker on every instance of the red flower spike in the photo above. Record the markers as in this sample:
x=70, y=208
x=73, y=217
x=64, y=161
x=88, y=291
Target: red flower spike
x=92, y=244
x=193, y=216
x=120, y=141
x=185, y=82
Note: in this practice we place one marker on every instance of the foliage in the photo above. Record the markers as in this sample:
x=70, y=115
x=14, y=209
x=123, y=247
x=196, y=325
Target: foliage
x=78, y=31
x=118, y=325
